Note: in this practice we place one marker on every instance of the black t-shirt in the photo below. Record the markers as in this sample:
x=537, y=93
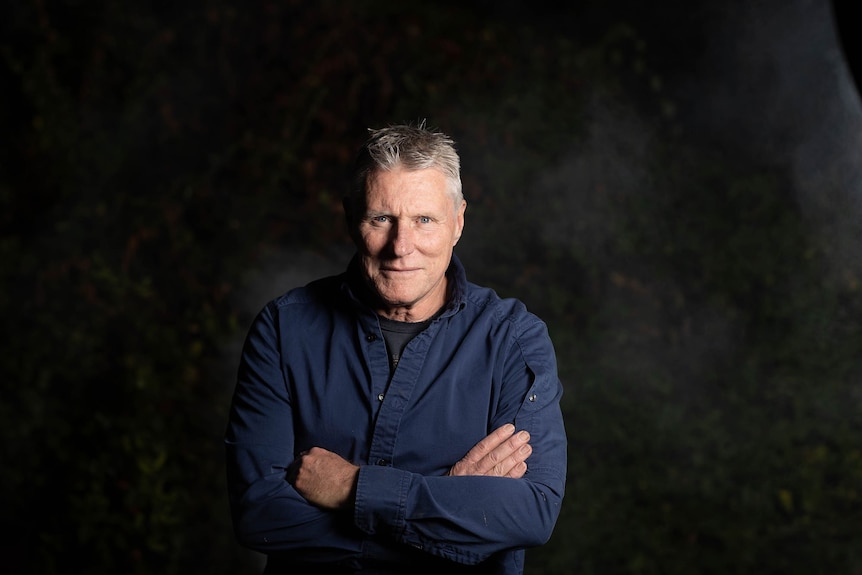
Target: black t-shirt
x=398, y=334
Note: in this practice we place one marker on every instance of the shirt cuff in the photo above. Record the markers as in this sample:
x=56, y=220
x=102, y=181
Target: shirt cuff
x=381, y=496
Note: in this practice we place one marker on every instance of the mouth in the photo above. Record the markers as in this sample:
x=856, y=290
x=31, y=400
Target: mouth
x=397, y=267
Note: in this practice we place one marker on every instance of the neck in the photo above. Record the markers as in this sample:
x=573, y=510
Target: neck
x=408, y=315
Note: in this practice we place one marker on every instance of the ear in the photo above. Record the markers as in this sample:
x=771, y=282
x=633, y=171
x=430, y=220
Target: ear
x=459, y=221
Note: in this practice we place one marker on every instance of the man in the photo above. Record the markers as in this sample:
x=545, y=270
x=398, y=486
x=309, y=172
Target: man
x=397, y=417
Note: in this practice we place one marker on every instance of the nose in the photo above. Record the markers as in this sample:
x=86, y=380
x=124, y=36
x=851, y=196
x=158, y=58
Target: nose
x=402, y=239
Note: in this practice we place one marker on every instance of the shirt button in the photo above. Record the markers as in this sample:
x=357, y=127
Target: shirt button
x=380, y=397
x=370, y=337
x=382, y=462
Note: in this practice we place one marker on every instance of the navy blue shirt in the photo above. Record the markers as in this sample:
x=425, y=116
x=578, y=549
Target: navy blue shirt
x=315, y=372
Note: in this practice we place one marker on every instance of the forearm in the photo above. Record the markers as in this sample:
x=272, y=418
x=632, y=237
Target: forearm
x=268, y=514
x=283, y=524
x=464, y=519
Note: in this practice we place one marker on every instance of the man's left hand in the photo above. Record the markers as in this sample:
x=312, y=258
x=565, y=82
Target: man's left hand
x=503, y=453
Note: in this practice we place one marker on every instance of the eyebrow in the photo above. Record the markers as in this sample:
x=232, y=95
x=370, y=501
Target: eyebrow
x=373, y=213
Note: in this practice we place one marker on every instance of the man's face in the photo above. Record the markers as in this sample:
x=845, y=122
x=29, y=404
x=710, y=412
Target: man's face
x=405, y=240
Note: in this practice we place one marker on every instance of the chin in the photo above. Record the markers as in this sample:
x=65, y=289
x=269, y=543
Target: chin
x=393, y=293
x=394, y=300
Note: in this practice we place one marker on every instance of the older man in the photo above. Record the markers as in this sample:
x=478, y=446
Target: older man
x=397, y=416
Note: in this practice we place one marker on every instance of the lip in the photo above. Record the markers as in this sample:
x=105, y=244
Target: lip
x=398, y=270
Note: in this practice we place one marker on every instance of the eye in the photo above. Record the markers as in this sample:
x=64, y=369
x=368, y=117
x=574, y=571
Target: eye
x=424, y=220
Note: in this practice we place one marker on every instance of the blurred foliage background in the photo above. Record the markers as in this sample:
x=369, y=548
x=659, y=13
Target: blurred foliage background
x=156, y=154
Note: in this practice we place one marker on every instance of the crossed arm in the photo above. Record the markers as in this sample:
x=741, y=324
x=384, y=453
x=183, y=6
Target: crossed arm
x=327, y=480
x=284, y=502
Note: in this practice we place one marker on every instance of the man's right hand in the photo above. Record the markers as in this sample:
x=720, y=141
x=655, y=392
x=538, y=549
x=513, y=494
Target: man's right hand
x=502, y=454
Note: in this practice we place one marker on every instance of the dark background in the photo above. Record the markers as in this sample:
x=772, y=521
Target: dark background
x=674, y=187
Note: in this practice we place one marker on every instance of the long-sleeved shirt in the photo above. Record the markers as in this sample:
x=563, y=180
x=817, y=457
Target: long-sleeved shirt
x=314, y=371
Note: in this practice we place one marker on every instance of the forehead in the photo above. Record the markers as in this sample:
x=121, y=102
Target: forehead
x=401, y=187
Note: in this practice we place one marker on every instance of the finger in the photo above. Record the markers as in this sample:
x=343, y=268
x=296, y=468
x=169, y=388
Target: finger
x=517, y=471
x=517, y=462
x=293, y=469
x=489, y=443
x=502, y=458
x=508, y=456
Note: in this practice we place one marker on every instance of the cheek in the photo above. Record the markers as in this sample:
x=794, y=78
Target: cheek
x=440, y=244
x=438, y=254
x=369, y=243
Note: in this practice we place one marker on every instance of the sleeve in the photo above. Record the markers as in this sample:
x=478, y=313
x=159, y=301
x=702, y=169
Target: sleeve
x=468, y=519
x=268, y=514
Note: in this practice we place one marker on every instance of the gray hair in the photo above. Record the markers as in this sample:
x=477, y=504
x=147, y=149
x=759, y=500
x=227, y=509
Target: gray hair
x=412, y=147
